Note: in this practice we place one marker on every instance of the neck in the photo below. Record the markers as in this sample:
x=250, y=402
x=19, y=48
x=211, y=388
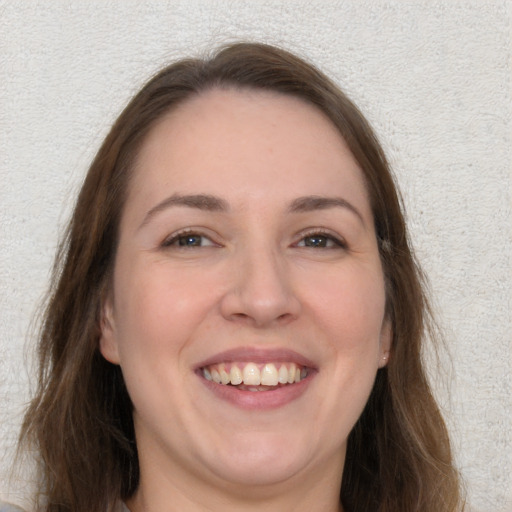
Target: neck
x=159, y=492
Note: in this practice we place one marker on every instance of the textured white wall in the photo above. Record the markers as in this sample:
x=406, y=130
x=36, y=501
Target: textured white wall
x=432, y=75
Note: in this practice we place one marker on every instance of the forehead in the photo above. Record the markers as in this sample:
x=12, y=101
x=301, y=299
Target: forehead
x=246, y=143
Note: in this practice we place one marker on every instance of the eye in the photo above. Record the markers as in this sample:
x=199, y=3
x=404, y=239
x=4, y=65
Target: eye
x=187, y=239
x=321, y=241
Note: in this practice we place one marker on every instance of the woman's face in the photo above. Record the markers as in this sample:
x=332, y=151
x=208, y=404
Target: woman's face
x=247, y=307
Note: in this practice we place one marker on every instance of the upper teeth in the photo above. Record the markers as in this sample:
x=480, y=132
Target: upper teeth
x=252, y=374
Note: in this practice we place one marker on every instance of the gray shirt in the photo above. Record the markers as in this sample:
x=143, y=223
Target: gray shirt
x=7, y=507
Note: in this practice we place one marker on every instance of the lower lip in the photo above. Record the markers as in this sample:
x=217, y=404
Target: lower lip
x=253, y=400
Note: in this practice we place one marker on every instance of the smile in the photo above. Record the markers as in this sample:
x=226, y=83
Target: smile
x=251, y=376
x=257, y=379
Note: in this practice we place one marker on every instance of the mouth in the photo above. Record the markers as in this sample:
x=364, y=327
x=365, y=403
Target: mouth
x=252, y=376
x=257, y=379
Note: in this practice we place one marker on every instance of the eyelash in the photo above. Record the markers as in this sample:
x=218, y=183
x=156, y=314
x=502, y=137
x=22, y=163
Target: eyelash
x=190, y=233
x=338, y=242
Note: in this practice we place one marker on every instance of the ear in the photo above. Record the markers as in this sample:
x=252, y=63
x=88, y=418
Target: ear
x=108, y=338
x=386, y=336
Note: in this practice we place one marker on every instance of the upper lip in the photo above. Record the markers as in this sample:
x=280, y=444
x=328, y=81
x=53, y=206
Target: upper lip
x=257, y=355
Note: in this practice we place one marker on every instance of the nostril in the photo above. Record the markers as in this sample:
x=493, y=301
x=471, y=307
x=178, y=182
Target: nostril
x=239, y=316
x=258, y=321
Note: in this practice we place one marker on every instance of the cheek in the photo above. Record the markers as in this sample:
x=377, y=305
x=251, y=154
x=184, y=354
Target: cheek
x=159, y=309
x=349, y=311
x=351, y=306
x=156, y=322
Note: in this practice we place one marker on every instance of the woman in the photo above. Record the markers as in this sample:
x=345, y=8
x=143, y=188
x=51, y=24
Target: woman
x=237, y=318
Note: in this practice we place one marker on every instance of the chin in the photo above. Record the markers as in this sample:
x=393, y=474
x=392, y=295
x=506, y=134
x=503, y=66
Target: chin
x=262, y=473
x=271, y=459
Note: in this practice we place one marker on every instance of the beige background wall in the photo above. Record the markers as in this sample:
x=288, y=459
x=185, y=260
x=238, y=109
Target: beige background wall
x=432, y=75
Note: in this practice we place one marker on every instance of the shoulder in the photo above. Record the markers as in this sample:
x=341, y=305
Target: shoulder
x=7, y=507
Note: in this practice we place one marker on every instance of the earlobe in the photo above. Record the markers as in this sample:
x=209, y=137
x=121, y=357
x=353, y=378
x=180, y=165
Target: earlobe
x=384, y=360
x=108, y=340
x=386, y=337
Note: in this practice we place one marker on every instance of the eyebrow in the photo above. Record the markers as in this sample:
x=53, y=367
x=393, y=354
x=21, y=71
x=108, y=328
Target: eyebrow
x=212, y=203
x=312, y=203
x=203, y=202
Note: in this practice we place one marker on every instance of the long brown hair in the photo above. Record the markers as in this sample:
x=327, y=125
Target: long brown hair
x=80, y=421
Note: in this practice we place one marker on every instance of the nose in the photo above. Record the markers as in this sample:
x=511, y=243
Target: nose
x=260, y=293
